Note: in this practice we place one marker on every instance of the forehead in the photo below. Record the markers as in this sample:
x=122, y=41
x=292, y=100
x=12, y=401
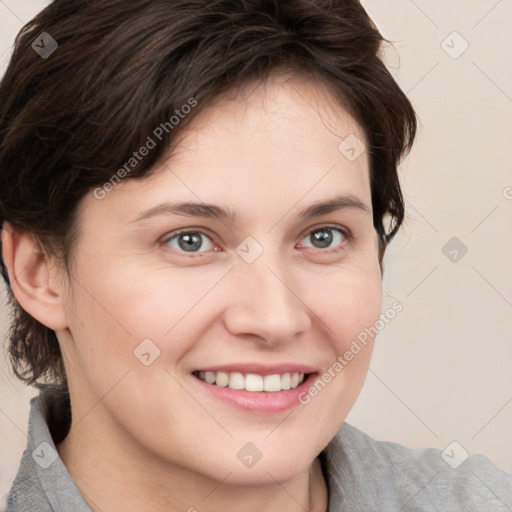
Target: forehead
x=285, y=111
x=274, y=145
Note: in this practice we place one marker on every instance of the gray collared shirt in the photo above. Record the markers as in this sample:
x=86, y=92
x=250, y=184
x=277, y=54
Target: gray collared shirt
x=363, y=475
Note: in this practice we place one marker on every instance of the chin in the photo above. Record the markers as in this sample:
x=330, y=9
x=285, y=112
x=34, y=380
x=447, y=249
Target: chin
x=266, y=474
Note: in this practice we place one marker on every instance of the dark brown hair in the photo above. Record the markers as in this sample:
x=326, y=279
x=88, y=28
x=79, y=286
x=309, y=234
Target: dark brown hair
x=71, y=118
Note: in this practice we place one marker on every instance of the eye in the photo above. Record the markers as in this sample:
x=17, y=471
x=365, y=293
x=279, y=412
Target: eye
x=325, y=236
x=192, y=241
x=187, y=241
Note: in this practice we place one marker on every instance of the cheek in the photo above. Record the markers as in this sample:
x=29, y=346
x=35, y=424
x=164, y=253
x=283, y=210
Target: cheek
x=348, y=302
x=118, y=321
x=113, y=310
x=349, y=305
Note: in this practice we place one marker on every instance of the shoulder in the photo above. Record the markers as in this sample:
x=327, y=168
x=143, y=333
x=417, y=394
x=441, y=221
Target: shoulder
x=365, y=472
x=26, y=492
x=42, y=482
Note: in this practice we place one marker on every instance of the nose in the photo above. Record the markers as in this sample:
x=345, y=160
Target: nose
x=266, y=302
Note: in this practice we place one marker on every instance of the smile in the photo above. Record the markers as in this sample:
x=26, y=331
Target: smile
x=251, y=381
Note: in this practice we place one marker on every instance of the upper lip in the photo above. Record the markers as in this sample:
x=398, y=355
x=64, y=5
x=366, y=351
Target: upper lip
x=259, y=369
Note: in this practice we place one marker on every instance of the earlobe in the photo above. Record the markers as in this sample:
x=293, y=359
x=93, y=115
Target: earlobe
x=32, y=278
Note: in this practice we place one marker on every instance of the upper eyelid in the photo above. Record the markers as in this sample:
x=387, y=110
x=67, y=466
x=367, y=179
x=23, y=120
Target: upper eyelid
x=342, y=229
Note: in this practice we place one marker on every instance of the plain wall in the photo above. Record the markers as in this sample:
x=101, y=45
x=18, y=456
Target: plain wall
x=441, y=369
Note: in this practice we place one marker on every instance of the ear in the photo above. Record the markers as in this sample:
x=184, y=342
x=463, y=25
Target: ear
x=33, y=278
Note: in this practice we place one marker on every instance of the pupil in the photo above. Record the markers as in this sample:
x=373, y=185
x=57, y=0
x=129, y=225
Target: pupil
x=324, y=236
x=189, y=241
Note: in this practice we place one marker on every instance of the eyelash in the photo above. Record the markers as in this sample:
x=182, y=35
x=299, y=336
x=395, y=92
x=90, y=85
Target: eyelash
x=344, y=232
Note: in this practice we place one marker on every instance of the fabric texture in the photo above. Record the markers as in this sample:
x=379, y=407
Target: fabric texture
x=362, y=474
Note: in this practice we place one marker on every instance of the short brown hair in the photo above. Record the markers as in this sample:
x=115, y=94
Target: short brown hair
x=71, y=119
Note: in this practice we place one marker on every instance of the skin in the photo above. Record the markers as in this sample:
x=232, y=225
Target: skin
x=150, y=437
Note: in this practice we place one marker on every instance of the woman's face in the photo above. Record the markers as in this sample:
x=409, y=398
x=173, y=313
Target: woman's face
x=268, y=291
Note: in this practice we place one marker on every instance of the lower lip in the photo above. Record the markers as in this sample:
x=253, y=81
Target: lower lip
x=264, y=402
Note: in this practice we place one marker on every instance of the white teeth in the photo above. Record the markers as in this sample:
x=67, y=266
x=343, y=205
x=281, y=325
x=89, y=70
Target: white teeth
x=236, y=381
x=253, y=382
x=272, y=382
x=208, y=377
x=221, y=379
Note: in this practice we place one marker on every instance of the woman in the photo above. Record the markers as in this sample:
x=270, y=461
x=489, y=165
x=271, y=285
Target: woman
x=193, y=198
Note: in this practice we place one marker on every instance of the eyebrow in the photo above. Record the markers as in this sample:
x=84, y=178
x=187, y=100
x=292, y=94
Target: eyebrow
x=213, y=211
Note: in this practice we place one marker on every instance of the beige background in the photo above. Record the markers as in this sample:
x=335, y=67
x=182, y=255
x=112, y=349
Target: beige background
x=441, y=370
